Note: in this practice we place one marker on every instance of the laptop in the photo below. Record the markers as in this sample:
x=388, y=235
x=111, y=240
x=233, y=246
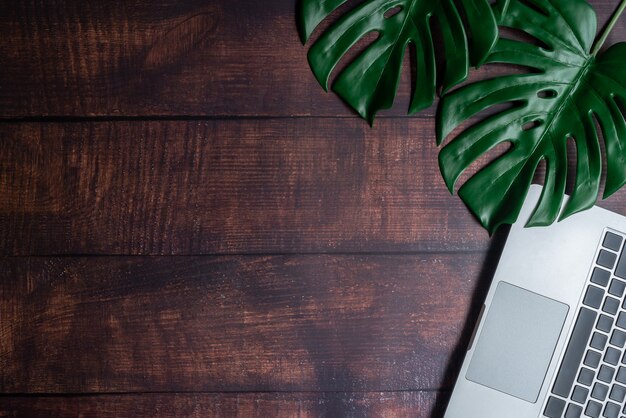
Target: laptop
x=551, y=337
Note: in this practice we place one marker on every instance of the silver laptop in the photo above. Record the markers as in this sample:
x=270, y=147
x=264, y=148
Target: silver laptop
x=551, y=336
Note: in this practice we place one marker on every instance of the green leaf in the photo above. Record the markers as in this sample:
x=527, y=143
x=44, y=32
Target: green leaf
x=369, y=83
x=561, y=99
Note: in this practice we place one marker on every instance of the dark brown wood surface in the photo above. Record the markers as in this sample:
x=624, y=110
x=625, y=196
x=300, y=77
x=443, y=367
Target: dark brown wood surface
x=238, y=405
x=167, y=57
x=227, y=186
x=229, y=323
x=190, y=226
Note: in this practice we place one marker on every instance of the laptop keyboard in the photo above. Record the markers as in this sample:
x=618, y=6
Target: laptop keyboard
x=591, y=380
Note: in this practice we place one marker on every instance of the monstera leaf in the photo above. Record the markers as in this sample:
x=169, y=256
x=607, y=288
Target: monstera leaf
x=568, y=90
x=369, y=83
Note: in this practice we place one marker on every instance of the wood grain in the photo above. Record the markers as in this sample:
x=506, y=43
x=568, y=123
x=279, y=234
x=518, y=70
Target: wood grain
x=218, y=187
x=236, y=323
x=164, y=150
x=89, y=58
x=255, y=186
x=244, y=405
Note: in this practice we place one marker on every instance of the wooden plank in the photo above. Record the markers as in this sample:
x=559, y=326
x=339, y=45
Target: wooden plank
x=232, y=405
x=318, y=185
x=227, y=186
x=164, y=57
x=237, y=323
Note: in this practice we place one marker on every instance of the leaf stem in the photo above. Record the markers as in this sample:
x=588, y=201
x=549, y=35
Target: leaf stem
x=609, y=27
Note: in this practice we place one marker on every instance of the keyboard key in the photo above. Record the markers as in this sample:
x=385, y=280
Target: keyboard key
x=621, y=375
x=620, y=270
x=599, y=391
x=611, y=410
x=593, y=297
x=600, y=276
x=621, y=320
x=617, y=288
x=573, y=411
x=598, y=341
x=606, y=373
x=606, y=322
x=612, y=241
x=606, y=259
x=618, y=393
x=593, y=409
x=574, y=352
x=554, y=407
x=592, y=359
x=585, y=377
x=580, y=394
x=612, y=356
x=611, y=305
x=618, y=338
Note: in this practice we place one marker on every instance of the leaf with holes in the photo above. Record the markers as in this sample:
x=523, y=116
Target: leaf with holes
x=468, y=31
x=568, y=91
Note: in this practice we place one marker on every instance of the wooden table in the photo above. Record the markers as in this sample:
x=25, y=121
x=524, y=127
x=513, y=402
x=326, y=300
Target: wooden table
x=190, y=226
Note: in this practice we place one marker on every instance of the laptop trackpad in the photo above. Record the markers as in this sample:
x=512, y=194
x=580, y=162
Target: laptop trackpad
x=517, y=342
